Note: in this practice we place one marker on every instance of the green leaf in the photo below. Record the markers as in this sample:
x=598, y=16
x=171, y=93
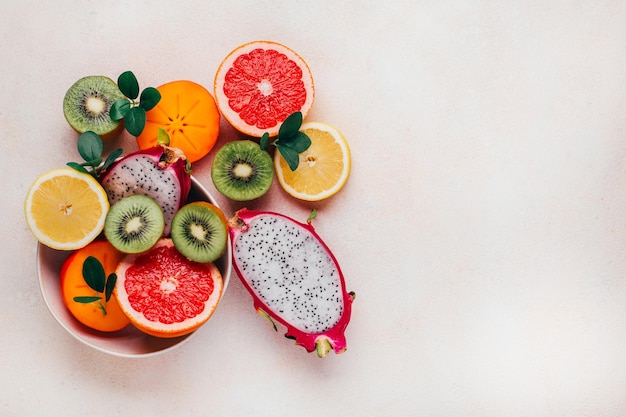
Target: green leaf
x=78, y=167
x=299, y=142
x=264, y=141
x=291, y=157
x=119, y=109
x=93, y=163
x=162, y=137
x=127, y=82
x=290, y=126
x=312, y=216
x=93, y=273
x=86, y=299
x=135, y=120
x=90, y=146
x=150, y=96
x=110, y=284
x=112, y=157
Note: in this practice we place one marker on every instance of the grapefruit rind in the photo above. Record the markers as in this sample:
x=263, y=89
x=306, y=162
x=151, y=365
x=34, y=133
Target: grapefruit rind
x=281, y=168
x=233, y=116
x=158, y=329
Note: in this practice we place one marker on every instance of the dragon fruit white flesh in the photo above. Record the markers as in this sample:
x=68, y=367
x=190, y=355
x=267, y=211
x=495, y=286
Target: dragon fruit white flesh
x=293, y=278
x=161, y=172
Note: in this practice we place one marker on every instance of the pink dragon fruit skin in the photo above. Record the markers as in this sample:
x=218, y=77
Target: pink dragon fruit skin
x=293, y=278
x=160, y=172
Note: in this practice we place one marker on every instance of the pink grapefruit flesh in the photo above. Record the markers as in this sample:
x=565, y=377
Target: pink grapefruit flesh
x=164, y=294
x=259, y=84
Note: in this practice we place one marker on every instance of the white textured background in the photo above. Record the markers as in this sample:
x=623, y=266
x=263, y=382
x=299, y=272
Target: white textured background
x=483, y=227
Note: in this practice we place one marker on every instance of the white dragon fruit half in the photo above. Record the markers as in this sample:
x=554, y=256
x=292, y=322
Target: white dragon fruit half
x=160, y=172
x=293, y=278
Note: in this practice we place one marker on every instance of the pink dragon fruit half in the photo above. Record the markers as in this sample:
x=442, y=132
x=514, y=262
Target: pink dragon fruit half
x=161, y=172
x=293, y=278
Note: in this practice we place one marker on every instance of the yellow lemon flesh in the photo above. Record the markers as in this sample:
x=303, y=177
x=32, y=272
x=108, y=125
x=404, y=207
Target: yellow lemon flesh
x=323, y=169
x=65, y=209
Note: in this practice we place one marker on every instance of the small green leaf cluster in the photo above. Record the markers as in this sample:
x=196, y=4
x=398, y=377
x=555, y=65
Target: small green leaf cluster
x=90, y=148
x=96, y=279
x=133, y=108
x=290, y=142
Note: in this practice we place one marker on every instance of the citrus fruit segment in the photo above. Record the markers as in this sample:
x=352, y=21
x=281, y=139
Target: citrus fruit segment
x=324, y=168
x=99, y=314
x=259, y=84
x=188, y=113
x=164, y=294
x=65, y=209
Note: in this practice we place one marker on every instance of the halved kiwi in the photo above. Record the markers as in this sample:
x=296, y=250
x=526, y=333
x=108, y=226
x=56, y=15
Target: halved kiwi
x=134, y=224
x=87, y=103
x=242, y=171
x=200, y=231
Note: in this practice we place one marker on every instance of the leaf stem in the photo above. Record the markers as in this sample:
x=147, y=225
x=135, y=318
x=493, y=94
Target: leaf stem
x=94, y=277
x=102, y=307
x=90, y=148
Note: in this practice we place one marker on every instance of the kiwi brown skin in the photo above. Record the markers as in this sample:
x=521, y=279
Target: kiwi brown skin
x=140, y=213
x=80, y=118
x=200, y=231
x=242, y=171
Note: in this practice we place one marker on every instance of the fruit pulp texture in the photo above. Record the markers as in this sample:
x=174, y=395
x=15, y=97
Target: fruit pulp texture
x=167, y=288
x=95, y=106
x=321, y=166
x=243, y=170
x=143, y=172
x=290, y=272
x=63, y=204
x=67, y=209
x=87, y=103
x=264, y=87
x=100, y=315
x=200, y=231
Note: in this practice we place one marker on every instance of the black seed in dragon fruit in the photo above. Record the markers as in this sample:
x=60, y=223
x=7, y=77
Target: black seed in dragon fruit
x=293, y=278
x=161, y=172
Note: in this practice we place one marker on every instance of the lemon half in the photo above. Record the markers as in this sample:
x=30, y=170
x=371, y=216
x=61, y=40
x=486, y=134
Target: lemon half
x=65, y=209
x=323, y=169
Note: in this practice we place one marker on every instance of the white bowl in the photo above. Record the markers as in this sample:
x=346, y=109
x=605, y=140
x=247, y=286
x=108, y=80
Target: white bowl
x=128, y=342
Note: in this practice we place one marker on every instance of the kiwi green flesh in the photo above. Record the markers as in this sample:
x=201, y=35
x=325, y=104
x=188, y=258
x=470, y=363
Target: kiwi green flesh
x=87, y=103
x=199, y=233
x=134, y=224
x=242, y=171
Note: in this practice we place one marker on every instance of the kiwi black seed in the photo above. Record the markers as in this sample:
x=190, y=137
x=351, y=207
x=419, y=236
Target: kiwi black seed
x=134, y=224
x=242, y=171
x=199, y=231
x=87, y=103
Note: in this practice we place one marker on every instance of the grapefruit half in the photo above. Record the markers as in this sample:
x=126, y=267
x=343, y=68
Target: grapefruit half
x=164, y=294
x=259, y=84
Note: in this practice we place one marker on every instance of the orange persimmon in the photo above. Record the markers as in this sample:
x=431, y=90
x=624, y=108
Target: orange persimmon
x=99, y=314
x=188, y=113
